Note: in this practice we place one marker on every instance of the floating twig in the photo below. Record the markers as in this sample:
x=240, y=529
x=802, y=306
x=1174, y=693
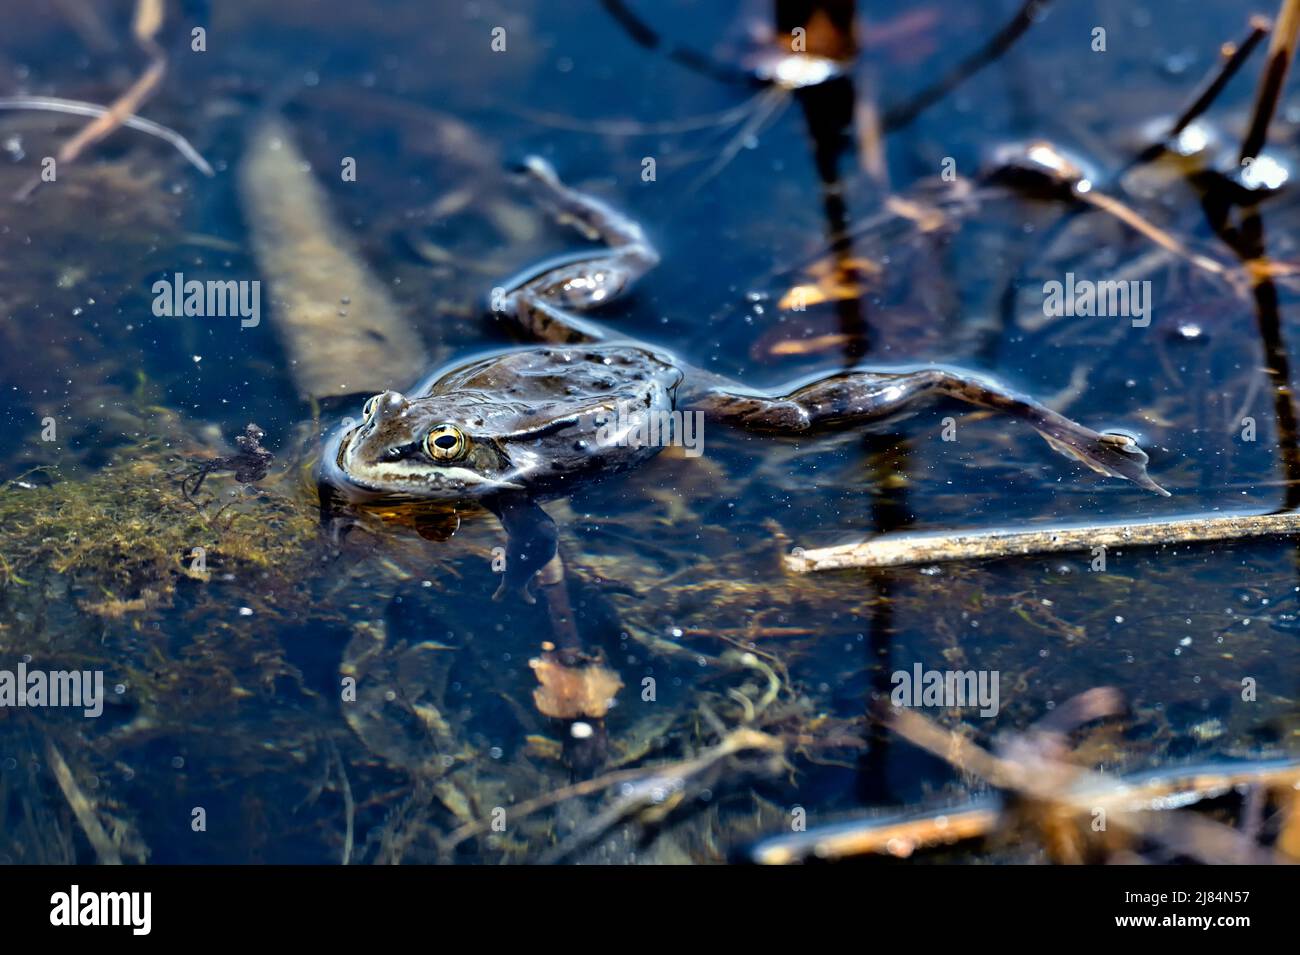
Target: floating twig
x=895, y=550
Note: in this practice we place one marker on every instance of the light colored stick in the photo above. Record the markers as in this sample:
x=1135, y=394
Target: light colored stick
x=894, y=550
x=82, y=807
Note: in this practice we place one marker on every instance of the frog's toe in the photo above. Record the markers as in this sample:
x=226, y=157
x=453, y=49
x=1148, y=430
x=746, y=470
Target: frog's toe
x=1112, y=453
x=514, y=588
x=533, y=166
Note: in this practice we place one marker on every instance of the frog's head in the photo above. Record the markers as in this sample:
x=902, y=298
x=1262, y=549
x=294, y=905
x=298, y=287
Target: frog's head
x=423, y=449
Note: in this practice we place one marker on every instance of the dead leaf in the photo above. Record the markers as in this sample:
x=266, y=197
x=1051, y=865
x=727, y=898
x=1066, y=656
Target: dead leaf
x=570, y=693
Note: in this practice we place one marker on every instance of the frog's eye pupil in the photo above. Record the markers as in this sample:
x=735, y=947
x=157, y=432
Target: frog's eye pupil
x=445, y=443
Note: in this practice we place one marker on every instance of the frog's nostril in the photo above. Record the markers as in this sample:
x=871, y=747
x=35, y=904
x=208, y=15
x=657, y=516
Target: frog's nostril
x=391, y=402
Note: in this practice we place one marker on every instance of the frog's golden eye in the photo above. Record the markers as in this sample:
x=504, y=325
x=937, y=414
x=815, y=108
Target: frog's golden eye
x=369, y=408
x=445, y=442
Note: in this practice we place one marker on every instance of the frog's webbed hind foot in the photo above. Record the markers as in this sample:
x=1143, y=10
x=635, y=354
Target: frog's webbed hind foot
x=544, y=299
x=867, y=398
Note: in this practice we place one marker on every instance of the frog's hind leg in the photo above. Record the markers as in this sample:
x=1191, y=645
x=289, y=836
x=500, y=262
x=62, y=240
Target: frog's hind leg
x=544, y=300
x=868, y=397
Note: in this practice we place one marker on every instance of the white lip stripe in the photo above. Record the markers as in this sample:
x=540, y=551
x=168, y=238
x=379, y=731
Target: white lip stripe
x=411, y=475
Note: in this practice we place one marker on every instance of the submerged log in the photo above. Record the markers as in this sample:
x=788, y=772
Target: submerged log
x=342, y=332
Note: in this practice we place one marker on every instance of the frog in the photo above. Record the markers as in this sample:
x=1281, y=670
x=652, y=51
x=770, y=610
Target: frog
x=513, y=428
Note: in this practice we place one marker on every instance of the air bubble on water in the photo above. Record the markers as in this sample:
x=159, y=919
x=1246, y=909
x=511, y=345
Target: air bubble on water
x=1119, y=619
x=245, y=611
x=1176, y=64
x=178, y=762
x=496, y=752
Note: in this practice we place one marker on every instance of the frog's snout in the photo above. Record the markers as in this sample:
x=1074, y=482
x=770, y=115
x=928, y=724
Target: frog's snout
x=388, y=404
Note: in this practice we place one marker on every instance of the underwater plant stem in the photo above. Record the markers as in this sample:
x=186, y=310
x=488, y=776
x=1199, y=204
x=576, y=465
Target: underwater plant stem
x=1234, y=57
x=901, y=115
x=1281, y=50
x=82, y=807
x=1160, y=237
x=894, y=550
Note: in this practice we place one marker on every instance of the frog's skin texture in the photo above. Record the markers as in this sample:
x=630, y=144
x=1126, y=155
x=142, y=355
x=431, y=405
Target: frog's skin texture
x=515, y=427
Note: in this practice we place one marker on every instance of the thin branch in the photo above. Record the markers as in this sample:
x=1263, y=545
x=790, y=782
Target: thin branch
x=54, y=104
x=901, y=115
x=1235, y=56
x=894, y=550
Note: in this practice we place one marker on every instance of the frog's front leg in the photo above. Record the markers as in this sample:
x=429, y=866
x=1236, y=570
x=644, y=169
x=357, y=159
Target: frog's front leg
x=533, y=561
x=532, y=545
x=544, y=299
x=872, y=397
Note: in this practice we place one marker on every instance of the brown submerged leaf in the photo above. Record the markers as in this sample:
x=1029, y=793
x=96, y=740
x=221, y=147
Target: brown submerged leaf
x=569, y=693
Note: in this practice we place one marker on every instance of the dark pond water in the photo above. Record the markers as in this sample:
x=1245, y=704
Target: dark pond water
x=230, y=730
